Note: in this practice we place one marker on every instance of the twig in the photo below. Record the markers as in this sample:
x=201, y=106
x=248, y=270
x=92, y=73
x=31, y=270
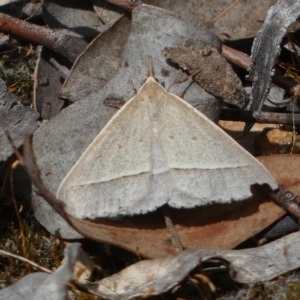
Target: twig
x=243, y=61
x=236, y=57
x=5, y=253
x=174, y=233
x=286, y=199
x=61, y=41
x=260, y=117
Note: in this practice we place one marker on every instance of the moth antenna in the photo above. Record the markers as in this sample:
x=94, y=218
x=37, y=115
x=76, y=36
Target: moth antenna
x=150, y=67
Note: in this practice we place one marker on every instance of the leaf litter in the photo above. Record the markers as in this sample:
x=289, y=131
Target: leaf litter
x=285, y=250
x=84, y=123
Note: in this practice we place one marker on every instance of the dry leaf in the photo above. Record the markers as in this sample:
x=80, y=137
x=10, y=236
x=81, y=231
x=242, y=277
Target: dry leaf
x=98, y=63
x=237, y=18
x=285, y=169
x=211, y=71
x=156, y=276
x=77, y=16
x=24, y=288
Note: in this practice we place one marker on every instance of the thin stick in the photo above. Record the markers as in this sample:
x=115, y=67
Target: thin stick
x=294, y=126
x=5, y=253
x=60, y=41
x=229, y=114
x=174, y=233
x=243, y=61
x=285, y=199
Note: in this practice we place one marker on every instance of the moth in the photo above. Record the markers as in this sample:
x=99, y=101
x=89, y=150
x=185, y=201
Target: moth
x=158, y=150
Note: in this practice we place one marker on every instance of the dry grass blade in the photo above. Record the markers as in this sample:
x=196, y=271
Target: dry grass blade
x=2, y=252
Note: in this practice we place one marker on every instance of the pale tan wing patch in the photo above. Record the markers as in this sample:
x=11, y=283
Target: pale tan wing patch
x=158, y=149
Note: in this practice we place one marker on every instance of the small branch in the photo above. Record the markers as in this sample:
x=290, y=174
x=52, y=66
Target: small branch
x=286, y=199
x=61, y=41
x=236, y=57
x=260, y=117
x=174, y=234
x=25, y=260
x=243, y=61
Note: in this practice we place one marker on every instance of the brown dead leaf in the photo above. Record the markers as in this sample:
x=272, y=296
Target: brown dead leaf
x=211, y=71
x=285, y=169
x=215, y=226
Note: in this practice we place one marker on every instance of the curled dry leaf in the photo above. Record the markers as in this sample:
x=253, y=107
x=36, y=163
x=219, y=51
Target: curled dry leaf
x=159, y=275
x=211, y=71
